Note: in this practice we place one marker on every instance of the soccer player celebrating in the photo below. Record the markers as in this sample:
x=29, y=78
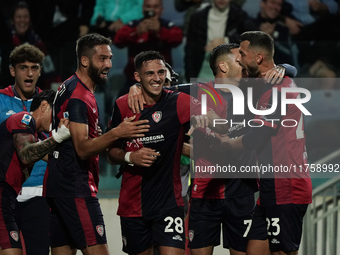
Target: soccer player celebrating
x=215, y=201
x=150, y=201
x=32, y=212
x=284, y=197
x=20, y=149
x=71, y=180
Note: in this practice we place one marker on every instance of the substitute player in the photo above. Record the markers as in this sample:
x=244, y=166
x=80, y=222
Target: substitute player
x=71, y=180
x=20, y=149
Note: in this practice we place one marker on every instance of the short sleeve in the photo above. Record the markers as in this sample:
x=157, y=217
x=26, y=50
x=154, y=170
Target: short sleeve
x=24, y=123
x=77, y=111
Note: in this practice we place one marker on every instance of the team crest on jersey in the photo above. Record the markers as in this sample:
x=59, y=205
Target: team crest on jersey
x=191, y=235
x=100, y=230
x=14, y=235
x=124, y=240
x=157, y=116
x=26, y=119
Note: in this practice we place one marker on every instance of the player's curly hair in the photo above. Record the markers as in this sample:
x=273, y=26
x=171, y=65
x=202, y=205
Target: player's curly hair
x=26, y=52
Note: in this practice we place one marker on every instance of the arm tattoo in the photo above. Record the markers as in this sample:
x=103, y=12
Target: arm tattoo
x=30, y=151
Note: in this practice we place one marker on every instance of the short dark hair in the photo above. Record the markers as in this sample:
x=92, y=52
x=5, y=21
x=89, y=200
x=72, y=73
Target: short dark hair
x=47, y=95
x=26, y=52
x=146, y=56
x=86, y=43
x=223, y=49
x=259, y=39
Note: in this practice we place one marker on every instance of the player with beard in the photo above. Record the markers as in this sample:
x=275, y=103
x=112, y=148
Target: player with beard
x=71, y=180
x=284, y=196
x=216, y=201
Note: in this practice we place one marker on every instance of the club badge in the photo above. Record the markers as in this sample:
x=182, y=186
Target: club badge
x=157, y=116
x=14, y=235
x=191, y=235
x=100, y=230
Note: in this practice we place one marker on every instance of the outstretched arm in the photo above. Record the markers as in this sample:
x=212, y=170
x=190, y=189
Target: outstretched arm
x=87, y=148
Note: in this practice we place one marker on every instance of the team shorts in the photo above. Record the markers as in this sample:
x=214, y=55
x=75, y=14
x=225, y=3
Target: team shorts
x=280, y=224
x=77, y=222
x=206, y=216
x=165, y=229
x=9, y=233
x=33, y=220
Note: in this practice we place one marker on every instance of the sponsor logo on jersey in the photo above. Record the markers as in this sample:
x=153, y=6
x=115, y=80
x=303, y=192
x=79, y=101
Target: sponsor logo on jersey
x=157, y=116
x=177, y=237
x=151, y=139
x=124, y=240
x=26, y=119
x=14, y=235
x=94, y=110
x=66, y=115
x=10, y=112
x=100, y=230
x=191, y=235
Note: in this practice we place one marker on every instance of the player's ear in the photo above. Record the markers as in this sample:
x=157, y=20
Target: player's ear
x=259, y=59
x=84, y=61
x=12, y=71
x=137, y=77
x=44, y=105
x=223, y=66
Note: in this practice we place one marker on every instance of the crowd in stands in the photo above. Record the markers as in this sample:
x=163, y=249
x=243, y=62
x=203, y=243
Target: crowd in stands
x=306, y=33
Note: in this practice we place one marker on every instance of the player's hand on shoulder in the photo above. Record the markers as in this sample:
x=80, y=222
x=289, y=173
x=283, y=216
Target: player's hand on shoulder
x=63, y=132
x=135, y=99
x=144, y=157
x=132, y=129
x=275, y=75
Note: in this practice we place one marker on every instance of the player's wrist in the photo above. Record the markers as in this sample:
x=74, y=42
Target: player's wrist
x=61, y=135
x=127, y=158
